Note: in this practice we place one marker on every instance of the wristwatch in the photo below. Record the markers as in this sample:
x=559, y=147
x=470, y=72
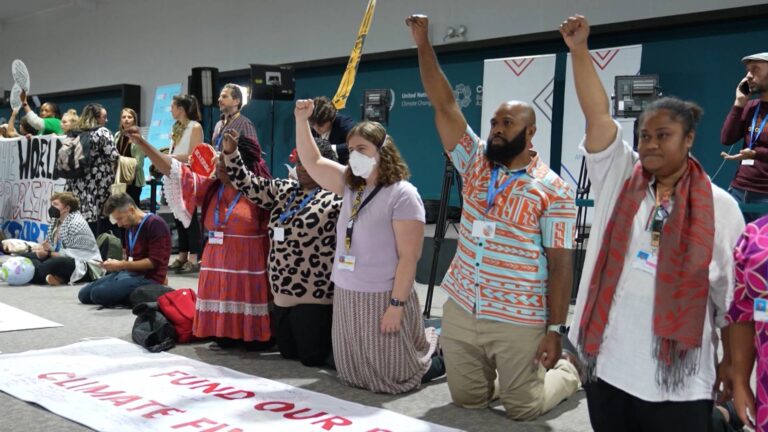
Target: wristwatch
x=396, y=303
x=557, y=328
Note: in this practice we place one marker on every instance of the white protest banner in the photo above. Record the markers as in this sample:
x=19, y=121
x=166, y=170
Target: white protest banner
x=12, y=319
x=527, y=79
x=27, y=182
x=112, y=385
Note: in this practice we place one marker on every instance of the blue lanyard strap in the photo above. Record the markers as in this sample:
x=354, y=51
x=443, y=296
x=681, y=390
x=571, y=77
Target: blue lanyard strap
x=218, y=140
x=133, y=236
x=493, y=191
x=288, y=214
x=754, y=134
x=230, y=208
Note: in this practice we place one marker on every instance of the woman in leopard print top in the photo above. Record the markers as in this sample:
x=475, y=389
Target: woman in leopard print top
x=302, y=230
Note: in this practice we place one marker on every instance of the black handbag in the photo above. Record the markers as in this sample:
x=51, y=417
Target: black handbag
x=147, y=294
x=151, y=329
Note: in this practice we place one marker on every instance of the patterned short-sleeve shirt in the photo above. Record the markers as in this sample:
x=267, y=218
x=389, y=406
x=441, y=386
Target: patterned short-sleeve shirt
x=504, y=278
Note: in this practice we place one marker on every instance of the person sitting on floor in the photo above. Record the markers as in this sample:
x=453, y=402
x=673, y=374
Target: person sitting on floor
x=69, y=254
x=147, y=248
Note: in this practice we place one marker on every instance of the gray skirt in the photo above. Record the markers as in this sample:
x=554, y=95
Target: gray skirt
x=365, y=357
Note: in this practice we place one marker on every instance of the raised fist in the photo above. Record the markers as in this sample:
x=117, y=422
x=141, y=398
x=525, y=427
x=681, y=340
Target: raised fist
x=419, y=25
x=304, y=108
x=229, y=143
x=132, y=132
x=575, y=31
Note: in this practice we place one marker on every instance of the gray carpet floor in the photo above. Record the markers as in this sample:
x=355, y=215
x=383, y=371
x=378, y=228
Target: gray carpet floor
x=431, y=402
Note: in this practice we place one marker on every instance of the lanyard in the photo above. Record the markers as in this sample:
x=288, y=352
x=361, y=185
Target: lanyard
x=229, y=209
x=288, y=214
x=754, y=134
x=356, y=208
x=493, y=191
x=133, y=236
x=218, y=141
x=656, y=221
x=224, y=125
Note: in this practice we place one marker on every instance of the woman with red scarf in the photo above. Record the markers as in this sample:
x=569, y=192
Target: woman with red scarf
x=233, y=290
x=658, y=272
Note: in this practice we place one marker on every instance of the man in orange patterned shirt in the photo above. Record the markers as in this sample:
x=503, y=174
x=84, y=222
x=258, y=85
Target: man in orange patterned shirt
x=510, y=281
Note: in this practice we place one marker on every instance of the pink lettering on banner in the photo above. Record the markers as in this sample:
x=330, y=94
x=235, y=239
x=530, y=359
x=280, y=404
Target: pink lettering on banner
x=105, y=393
x=151, y=409
x=199, y=423
x=47, y=376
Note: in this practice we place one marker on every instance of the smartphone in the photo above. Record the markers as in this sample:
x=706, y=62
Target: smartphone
x=744, y=88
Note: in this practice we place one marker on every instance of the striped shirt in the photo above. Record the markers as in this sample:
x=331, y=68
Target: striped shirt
x=504, y=278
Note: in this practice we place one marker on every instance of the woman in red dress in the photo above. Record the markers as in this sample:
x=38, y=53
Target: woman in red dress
x=233, y=290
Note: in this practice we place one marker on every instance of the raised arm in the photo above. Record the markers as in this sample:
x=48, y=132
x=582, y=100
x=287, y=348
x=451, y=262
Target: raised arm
x=601, y=130
x=327, y=173
x=162, y=162
x=11, y=131
x=261, y=191
x=450, y=122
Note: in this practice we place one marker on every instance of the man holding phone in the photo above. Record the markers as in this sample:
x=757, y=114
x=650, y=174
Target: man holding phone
x=747, y=120
x=147, y=248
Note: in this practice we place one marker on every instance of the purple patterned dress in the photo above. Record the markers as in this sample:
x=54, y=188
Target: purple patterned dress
x=751, y=258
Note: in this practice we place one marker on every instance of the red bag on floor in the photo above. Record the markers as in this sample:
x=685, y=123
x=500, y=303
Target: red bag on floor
x=179, y=308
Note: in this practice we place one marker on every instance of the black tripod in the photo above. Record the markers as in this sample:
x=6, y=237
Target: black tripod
x=449, y=176
x=582, y=193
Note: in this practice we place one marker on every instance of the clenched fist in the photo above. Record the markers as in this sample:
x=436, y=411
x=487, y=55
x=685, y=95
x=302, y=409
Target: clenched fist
x=230, y=141
x=575, y=31
x=304, y=108
x=419, y=25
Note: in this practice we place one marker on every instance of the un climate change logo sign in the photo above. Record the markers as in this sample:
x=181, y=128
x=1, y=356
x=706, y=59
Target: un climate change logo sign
x=463, y=95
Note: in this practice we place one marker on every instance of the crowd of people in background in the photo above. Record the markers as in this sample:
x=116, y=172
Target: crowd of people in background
x=323, y=265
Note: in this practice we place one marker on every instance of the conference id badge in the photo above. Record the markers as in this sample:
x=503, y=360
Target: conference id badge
x=216, y=237
x=346, y=263
x=484, y=229
x=748, y=162
x=278, y=234
x=761, y=310
x=646, y=262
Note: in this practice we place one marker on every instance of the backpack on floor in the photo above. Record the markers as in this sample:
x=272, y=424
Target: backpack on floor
x=73, y=157
x=151, y=329
x=110, y=246
x=147, y=294
x=179, y=307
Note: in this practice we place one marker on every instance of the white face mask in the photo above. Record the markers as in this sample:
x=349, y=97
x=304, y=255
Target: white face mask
x=361, y=165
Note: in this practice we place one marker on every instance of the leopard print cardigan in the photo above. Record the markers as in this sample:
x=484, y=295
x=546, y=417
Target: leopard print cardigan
x=300, y=265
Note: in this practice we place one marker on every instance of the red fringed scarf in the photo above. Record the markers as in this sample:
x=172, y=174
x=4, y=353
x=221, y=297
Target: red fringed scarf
x=682, y=276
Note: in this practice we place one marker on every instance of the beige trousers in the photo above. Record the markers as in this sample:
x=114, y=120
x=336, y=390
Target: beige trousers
x=477, y=351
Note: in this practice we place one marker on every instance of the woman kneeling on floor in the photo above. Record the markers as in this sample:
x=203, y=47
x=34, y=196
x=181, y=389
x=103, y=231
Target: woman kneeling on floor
x=69, y=254
x=233, y=291
x=379, y=340
x=303, y=231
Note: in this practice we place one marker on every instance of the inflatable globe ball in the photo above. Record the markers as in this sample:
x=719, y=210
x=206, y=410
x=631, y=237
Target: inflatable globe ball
x=17, y=271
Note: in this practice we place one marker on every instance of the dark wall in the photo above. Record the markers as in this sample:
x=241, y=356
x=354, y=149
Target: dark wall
x=696, y=62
